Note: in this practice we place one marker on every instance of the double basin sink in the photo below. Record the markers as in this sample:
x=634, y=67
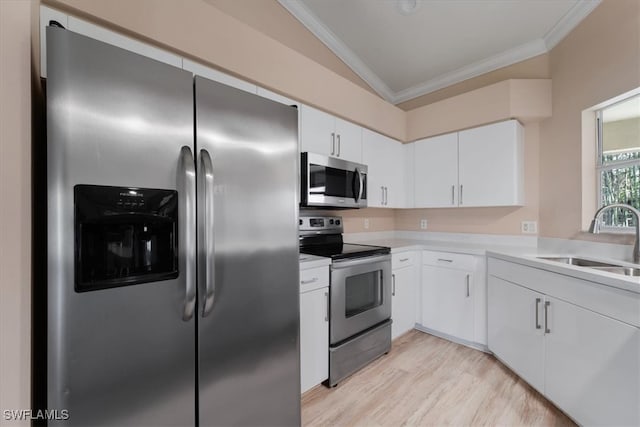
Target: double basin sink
x=596, y=265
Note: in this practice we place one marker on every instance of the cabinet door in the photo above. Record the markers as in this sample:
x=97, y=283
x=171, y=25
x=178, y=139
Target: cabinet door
x=592, y=366
x=374, y=156
x=447, y=301
x=436, y=172
x=314, y=338
x=348, y=141
x=317, y=132
x=491, y=165
x=403, y=301
x=515, y=329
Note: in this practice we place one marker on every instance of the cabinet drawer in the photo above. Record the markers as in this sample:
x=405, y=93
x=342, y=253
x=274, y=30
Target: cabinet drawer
x=450, y=260
x=314, y=278
x=403, y=259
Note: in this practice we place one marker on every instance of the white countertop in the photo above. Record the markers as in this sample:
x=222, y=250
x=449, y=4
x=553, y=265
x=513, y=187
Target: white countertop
x=312, y=261
x=521, y=255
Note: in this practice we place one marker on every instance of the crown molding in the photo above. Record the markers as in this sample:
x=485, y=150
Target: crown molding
x=569, y=21
x=520, y=53
x=508, y=57
x=300, y=11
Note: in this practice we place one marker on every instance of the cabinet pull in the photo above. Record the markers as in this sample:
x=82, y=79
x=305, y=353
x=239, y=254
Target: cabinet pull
x=538, y=301
x=453, y=194
x=386, y=196
x=382, y=195
x=468, y=290
x=326, y=315
x=393, y=285
x=404, y=259
x=338, y=145
x=306, y=282
x=333, y=143
x=546, y=317
x=445, y=260
x=461, y=186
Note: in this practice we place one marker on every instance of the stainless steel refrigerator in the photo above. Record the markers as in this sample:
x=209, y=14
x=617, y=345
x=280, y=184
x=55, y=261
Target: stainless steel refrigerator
x=172, y=252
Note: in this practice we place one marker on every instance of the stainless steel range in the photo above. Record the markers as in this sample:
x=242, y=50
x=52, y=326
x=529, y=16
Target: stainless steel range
x=360, y=295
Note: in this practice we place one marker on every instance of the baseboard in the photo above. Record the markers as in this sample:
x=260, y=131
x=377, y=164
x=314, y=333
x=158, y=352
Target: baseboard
x=474, y=345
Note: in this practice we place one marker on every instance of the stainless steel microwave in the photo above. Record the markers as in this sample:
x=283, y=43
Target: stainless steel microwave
x=332, y=183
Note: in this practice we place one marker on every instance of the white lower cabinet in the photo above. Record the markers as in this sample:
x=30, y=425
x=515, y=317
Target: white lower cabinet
x=450, y=285
x=403, y=293
x=314, y=338
x=586, y=363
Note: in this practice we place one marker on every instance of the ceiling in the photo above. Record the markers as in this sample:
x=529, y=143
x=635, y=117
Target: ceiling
x=442, y=42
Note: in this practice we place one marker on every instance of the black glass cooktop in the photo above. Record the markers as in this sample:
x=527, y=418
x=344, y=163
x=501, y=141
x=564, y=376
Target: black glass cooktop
x=337, y=251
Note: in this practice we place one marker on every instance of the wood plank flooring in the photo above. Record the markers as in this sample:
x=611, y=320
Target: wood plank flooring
x=426, y=380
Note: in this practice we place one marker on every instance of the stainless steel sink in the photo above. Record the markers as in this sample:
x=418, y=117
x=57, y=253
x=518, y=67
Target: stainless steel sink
x=580, y=262
x=626, y=271
x=596, y=265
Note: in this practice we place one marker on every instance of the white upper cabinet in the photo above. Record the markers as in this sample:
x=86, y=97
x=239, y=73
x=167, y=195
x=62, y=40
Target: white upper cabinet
x=325, y=134
x=476, y=167
x=436, y=172
x=384, y=158
x=218, y=76
x=491, y=165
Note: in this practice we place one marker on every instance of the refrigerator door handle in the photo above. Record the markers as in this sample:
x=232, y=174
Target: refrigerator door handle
x=187, y=227
x=206, y=170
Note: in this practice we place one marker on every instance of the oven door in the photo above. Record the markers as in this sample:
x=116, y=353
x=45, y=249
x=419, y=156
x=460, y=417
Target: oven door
x=330, y=182
x=360, y=295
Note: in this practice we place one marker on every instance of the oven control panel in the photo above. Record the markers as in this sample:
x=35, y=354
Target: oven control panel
x=320, y=225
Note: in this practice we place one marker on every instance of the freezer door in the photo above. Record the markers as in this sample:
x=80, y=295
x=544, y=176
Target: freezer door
x=249, y=369
x=121, y=344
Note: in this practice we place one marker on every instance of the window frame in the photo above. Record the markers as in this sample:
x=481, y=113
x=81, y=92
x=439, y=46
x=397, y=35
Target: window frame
x=602, y=167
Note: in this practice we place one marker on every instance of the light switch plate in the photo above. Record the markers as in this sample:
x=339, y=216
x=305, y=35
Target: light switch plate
x=366, y=223
x=529, y=227
x=423, y=224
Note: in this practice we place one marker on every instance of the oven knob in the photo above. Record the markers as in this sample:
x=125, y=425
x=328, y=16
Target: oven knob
x=331, y=221
x=337, y=222
x=300, y=222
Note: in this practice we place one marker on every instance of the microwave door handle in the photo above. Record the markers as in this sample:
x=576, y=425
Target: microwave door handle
x=207, y=235
x=358, y=179
x=187, y=229
x=360, y=185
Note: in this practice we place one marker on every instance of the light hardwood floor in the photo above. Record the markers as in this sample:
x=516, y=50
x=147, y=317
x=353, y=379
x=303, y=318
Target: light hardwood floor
x=425, y=380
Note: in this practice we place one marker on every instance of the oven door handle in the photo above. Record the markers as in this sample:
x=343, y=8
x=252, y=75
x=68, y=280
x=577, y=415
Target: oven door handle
x=336, y=265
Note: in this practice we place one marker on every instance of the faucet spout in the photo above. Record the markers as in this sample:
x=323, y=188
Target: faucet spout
x=596, y=222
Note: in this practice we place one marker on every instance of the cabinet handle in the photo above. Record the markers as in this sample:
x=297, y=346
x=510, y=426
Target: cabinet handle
x=461, y=186
x=445, y=260
x=546, y=317
x=338, y=145
x=333, y=143
x=326, y=315
x=538, y=301
x=468, y=290
x=382, y=195
x=453, y=194
x=404, y=259
x=306, y=282
x=386, y=196
x=393, y=285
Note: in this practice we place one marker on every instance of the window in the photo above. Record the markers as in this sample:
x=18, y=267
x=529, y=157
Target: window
x=618, y=160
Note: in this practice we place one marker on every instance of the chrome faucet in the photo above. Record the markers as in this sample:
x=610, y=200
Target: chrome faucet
x=595, y=225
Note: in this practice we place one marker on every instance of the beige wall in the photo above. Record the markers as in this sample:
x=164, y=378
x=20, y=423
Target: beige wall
x=268, y=17
x=201, y=31
x=533, y=68
x=598, y=60
x=15, y=209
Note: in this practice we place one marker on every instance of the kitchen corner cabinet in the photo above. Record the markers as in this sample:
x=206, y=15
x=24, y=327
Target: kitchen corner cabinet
x=587, y=363
x=403, y=292
x=385, y=179
x=325, y=134
x=476, y=167
x=448, y=294
x=314, y=327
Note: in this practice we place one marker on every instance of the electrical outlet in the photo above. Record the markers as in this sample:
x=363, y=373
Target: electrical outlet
x=529, y=227
x=423, y=224
x=366, y=223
